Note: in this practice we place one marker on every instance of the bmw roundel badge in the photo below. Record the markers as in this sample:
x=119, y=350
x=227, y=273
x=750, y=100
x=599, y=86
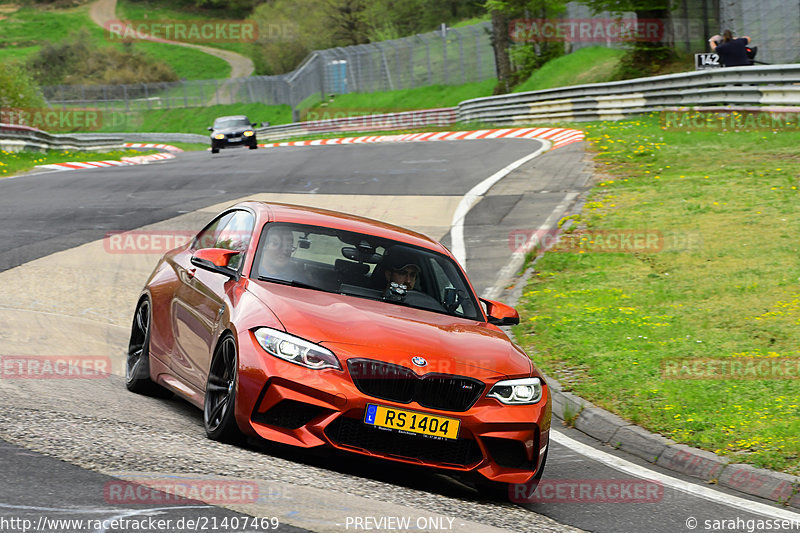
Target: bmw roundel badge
x=419, y=361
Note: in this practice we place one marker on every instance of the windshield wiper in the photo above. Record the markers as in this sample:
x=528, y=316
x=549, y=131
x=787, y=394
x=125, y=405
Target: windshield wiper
x=293, y=283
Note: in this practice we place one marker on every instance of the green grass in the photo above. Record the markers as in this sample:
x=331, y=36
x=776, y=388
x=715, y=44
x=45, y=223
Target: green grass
x=197, y=119
x=587, y=65
x=23, y=31
x=408, y=99
x=148, y=10
x=187, y=63
x=191, y=120
x=12, y=163
x=470, y=22
x=725, y=286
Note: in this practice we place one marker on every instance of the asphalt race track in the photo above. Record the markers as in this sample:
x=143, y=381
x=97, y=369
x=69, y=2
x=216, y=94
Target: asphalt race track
x=67, y=444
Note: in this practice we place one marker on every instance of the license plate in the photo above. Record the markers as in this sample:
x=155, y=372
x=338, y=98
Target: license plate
x=235, y=139
x=412, y=422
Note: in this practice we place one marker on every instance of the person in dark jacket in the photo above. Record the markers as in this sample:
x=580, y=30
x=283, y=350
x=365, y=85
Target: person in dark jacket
x=732, y=52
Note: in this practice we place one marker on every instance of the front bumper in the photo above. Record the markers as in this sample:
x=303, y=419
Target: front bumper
x=231, y=142
x=287, y=403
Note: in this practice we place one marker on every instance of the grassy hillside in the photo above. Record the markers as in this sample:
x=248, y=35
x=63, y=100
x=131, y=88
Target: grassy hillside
x=419, y=98
x=193, y=119
x=23, y=30
x=587, y=65
x=150, y=10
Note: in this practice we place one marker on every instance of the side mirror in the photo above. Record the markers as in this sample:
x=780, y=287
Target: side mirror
x=210, y=128
x=215, y=260
x=254, y=124
x=500, y=314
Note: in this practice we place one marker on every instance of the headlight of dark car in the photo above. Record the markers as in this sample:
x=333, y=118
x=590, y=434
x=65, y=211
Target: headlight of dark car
x=219, y=136
x=296, y=350
x=248, y=133
x=517, y=391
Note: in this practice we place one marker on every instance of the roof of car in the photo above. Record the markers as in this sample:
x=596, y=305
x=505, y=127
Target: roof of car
x=300, y=214
x=237, y=117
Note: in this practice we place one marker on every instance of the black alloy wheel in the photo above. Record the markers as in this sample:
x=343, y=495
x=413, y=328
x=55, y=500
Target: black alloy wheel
x=220, y=399
x=137, y=362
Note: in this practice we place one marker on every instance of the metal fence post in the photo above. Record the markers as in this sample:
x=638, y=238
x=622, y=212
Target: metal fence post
x=385, y=64
x=388, y=67
x=427, y=57
x=461, y=56
x=444, y=53
x=477, y=33
x=410, y=64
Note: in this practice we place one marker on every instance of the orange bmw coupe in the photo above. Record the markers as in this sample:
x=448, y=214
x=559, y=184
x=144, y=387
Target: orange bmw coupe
x=316, y=328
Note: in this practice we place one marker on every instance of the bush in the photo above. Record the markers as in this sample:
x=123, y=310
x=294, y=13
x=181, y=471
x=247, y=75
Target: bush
x=17, y=89
x=76, y=61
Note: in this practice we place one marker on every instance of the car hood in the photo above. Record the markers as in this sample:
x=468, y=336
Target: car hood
x=362, y=328
x=237, y=129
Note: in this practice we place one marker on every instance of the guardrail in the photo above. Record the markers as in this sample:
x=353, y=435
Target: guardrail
x=15, y=138
x=387, y=121
x=147, y=137
x=754, y=85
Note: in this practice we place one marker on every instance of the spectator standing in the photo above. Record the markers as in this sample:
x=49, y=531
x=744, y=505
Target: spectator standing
x=732, y=52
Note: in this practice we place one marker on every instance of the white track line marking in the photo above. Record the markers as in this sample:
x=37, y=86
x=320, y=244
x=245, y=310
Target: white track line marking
x=518, y=258
x=693, y=489
x=473, y=196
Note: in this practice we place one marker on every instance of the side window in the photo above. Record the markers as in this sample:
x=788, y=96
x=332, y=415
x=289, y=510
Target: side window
x=210, y=234
x=442, y=281
x=451, y=290
x=235, y=235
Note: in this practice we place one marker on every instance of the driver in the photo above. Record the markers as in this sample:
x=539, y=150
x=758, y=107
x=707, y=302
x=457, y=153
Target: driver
x=276, y=258
x=401, y=267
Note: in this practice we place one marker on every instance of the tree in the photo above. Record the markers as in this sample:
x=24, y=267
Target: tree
x=528, y=55
x=348, y=18
x=647, y=56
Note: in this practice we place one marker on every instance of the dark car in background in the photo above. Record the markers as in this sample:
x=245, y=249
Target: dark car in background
x=236, y=130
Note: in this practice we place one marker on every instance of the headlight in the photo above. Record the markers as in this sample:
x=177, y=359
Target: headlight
x=296, y=350
x=219, y=136
x=517, y=391
x=248, y=133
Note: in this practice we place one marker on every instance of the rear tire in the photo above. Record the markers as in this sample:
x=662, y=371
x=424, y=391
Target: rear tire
x=219, y=404
x=137, y=363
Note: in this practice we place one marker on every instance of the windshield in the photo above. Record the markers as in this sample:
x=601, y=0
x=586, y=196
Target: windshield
x=363, y=266
x=221, y=124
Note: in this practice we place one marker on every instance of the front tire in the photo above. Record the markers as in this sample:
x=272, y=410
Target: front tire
x=214, y=150
x=219, y=405
x=137, y=363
